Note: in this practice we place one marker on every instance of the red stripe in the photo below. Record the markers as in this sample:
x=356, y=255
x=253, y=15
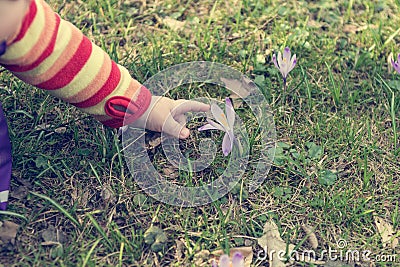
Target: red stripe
x=71, y=69
x=27, y=21
x=114, y=123
x=111, y=83
x=47, y=52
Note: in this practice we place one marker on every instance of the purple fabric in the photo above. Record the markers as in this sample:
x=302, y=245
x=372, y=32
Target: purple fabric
x=3, y=46
x=5, y=161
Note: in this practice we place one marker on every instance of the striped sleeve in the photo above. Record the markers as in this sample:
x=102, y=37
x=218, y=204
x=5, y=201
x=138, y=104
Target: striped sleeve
x=52, y=54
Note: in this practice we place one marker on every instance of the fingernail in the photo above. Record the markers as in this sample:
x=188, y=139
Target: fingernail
x=184, y=133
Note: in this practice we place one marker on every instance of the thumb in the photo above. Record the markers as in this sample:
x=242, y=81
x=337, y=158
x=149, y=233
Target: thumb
x=172, y=127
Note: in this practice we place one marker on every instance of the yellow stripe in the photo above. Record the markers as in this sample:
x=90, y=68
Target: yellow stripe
x=85, y=76
x=23, y=46
x=119, y=91
x=63, y=39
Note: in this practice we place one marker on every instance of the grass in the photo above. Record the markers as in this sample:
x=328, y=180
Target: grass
x=69, y=172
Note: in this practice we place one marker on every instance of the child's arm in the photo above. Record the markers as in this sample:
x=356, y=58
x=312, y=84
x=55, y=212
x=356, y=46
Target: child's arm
x=52, y=54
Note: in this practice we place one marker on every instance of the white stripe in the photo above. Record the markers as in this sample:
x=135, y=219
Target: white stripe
x=4, y=196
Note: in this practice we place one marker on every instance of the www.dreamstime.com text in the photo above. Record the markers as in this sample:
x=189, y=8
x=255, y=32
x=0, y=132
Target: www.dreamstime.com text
x=341, y=254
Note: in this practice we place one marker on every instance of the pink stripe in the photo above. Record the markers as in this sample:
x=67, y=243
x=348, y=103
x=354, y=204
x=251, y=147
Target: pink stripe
x=71, y=69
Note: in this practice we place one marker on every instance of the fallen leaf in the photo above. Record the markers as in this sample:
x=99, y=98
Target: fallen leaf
x=20, y=192
x=386, y=232
x=316, y=24
x=312, y=238
x=154, y=142
x=180, y=250
x=276, y=249
x=241, y=87
x=8, y=232
x=350, y=28
x=171, y=172
x=107, y=194
x=156, y=238
x=53, y=236
x=43, y=126
x=60, y=130
x=389, y=62
x=174, y=24
x=201, y=258
x=273, y=244
x=237, y=101
x=353, y=28
x=247, y=253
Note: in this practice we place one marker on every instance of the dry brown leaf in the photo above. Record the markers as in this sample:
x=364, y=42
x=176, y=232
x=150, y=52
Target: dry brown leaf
x=312, y=238
x=386, y=232
x=53, y=236
x=353, y=28
x=247, y=253
x=389, y=62
x=20, y=192
x=8, y=232
x=350, y=28
x=241, y=87
x=171, y=171
x=315, y=24
x=237, y=101
x=275, y=247
x=154, y=142
x=174, y=24
x=273, y=244
x=107, y=194
x=201, y=258
x=180, y=250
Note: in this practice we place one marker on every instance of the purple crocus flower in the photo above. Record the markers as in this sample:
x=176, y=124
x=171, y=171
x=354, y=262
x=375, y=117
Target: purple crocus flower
x=396, y=64
x=225, y=123
x=225, y=261
x=286, y=63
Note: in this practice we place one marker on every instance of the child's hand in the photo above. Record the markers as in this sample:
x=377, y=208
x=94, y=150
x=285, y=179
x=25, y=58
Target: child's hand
x=168, y=115
x=11, y=15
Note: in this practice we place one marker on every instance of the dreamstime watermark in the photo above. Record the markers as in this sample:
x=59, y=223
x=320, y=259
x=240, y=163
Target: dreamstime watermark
x=188, y=74
x=341, y=253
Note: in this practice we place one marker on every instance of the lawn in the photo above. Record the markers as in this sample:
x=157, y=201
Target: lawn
x=337, y=162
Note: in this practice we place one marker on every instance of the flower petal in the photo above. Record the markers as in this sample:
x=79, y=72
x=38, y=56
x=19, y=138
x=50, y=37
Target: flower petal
x=397, y=67
x=224, y=261
x=287, y=61
x=206, y=127
x=216, y=125
x=275, y=62
x=214, y=264
x=227, y=144
x=282, y=65
x=230, y=112
x=237, y=259
x=292, y=63
x=219, y=115
x=398, y=57
x=287, y=54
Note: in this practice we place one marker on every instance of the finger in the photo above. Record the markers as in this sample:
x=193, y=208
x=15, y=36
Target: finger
x=188, y=105
x=172, y=127
x=181, y=119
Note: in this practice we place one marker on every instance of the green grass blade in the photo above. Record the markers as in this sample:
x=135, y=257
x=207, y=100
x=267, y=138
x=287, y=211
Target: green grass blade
x=59, y=207
x=12, y=214
x=85, y=261
x=101, y=231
